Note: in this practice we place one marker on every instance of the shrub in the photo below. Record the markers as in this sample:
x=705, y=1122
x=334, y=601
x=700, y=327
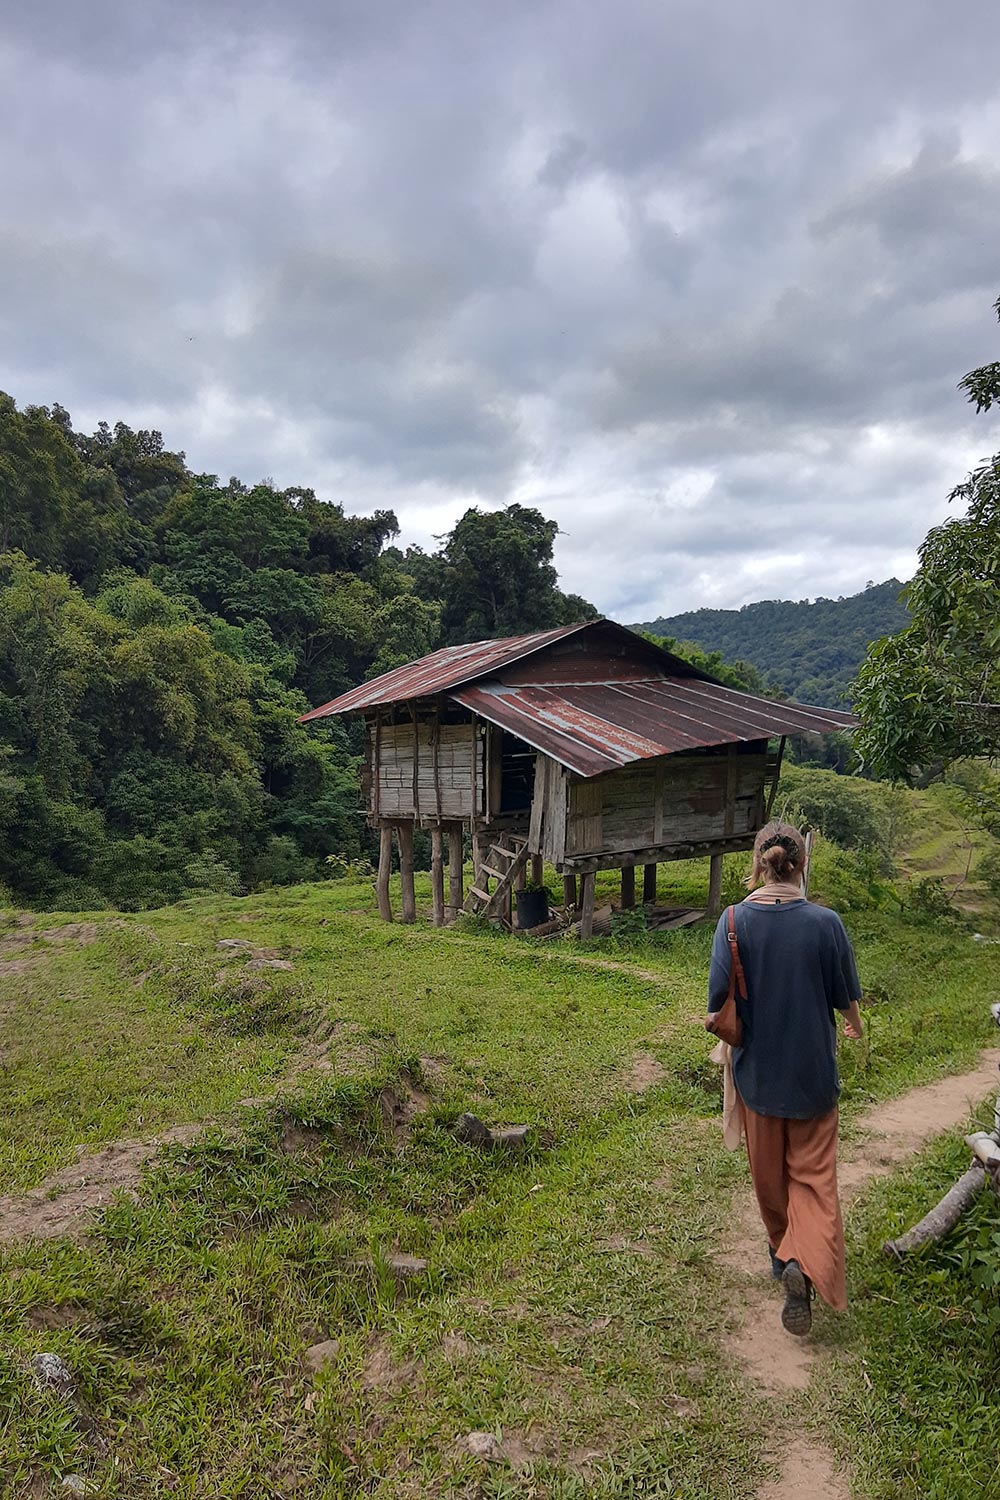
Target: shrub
x=207, y=872
x=988, y=871
x=848, y=879
x=341, y=868
x=931, y=900
x=281, y=862
x=853, y=813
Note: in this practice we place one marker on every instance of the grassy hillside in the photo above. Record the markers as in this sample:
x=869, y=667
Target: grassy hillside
x=569, y=1306
x=810, y=650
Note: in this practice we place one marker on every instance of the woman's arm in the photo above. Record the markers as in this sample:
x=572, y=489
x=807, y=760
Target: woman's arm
x=718, y=974
x=846, y=984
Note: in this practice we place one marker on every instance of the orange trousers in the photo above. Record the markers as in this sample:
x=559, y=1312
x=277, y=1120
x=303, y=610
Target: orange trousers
x=793, y=1164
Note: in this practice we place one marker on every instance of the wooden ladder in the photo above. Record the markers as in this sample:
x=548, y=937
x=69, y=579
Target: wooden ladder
x=512, y=855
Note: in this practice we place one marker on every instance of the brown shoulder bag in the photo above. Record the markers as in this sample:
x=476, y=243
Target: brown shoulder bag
x=726, y=1023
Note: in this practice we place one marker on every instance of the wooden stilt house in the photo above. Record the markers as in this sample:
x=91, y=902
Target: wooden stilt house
x=586, y=746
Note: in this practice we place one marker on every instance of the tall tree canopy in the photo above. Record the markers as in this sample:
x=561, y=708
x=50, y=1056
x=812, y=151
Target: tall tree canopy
x=932, y=693
x=495, y=577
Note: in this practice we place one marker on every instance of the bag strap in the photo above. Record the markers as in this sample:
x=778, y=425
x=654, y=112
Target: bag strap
x=736, y=975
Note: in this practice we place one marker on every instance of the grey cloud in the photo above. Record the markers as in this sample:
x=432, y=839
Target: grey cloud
x=662, y=270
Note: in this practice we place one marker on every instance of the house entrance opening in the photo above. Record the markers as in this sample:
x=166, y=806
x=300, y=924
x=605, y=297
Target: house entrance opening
x=517, y=775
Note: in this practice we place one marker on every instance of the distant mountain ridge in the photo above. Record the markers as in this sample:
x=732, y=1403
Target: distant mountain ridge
x=809, y=650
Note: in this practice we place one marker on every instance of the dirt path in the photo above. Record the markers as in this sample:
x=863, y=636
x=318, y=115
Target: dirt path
x=781, y=1365
x=559, y=955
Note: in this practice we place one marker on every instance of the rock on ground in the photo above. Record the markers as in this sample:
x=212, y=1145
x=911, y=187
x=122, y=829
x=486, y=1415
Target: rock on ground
x=470, y=1130
x=320, y=1355
x=484, y=1445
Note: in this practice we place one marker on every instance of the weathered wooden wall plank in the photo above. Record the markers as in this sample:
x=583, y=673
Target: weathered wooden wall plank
x=584, y=816
x=406, y=785
x=676, y=800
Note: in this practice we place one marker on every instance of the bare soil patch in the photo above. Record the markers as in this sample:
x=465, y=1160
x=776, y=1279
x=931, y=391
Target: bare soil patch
x=807, y=1473
x=14, y=941
x=60, y=1206
x=11, y=966
x=899, y=1127
x=81, y=934
x=334, y=1047
x=299, y=1140
x=50, y=1318
x=643, y=1072
x=382, y=1372
x=400, y=1106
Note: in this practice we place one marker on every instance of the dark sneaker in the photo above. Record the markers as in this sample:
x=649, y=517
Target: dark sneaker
x=777, y=1266
x=796, y=1315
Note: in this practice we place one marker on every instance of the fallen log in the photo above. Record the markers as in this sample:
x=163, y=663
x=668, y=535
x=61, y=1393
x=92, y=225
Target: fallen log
x=544, y=929
x=935, y=1225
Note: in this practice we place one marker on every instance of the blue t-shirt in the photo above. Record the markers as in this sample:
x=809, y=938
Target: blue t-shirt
x=799, y=968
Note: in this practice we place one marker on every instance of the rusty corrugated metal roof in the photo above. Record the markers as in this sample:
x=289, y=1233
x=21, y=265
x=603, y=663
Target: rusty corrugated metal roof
x=592, y=726
x=454, y=665
x=441, y=670
x=595, y=727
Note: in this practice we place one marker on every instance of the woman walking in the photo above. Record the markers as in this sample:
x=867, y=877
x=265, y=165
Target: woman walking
x=798, y=968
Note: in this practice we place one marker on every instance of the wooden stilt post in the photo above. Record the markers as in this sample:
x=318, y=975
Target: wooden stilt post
x=408, y=901
x=569, y=891
x=537, y=869
x=587, y=904
x=628, y=887
x=649, y=883
x=715, y=886
x=437, y=874
x=456, y=880
x=384, y=870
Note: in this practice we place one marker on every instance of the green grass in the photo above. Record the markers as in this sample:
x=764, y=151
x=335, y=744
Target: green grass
x=947, y=844
x=120, y=1037
x=911, y=1391
x=571, y=1305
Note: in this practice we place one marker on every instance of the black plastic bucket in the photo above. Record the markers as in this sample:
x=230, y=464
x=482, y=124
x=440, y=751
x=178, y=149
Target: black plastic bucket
x=532, y=908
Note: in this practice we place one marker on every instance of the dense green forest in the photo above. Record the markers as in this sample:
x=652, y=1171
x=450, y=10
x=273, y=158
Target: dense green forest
x=811, y=651
x=160, y=634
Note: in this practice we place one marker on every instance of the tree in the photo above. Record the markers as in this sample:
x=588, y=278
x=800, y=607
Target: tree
x=498, y=577
x=932, y=693
x=40, y=478
x=79, y=503
x=143, y=754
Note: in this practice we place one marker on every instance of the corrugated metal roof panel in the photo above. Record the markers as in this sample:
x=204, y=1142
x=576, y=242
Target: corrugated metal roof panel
x=439, y=671
x=596, y=727
x=454, y=665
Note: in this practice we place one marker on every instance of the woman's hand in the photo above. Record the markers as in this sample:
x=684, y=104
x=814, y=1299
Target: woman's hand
x=853, y=1028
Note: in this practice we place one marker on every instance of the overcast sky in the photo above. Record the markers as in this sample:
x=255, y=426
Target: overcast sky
x=697, y=279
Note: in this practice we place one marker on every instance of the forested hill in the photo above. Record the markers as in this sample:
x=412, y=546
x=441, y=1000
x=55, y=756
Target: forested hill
x=162, y=631
x=810, y=650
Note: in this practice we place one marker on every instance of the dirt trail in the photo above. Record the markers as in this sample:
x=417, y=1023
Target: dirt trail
x=559, y=955
x=782, y=1365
